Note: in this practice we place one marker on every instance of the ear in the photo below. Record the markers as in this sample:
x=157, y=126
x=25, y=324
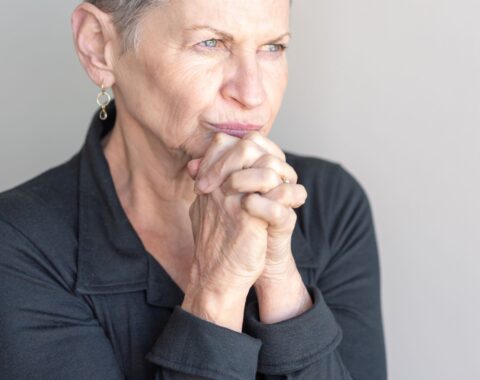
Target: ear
x=96, y=43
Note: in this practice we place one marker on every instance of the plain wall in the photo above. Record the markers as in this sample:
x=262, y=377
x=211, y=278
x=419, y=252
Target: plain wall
x=390, y=89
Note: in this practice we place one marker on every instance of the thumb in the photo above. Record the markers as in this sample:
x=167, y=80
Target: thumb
x=193, y=166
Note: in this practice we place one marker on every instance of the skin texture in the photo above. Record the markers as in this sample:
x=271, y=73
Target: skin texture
x=181, y=79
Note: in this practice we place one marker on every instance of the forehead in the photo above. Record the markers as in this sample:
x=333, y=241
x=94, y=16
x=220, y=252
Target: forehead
x=238, y=17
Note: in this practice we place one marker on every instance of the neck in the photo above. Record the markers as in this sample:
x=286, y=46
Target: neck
x=152, y=181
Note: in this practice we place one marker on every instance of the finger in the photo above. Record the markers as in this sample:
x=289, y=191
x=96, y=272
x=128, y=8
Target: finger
x=279, y=166
x=268, y=145
x=242, y=155
x=275, y=214
x=251, y=180
x=193, y=166
x=289, y=195
x=221, y=142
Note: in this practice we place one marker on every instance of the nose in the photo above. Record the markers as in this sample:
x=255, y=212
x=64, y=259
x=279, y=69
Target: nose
x=244, y=83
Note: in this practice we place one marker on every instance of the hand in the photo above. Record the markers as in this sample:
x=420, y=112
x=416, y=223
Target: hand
x=255, y=164
x=230, y=244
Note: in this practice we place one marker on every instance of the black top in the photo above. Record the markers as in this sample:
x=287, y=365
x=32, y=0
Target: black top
x=81, y=298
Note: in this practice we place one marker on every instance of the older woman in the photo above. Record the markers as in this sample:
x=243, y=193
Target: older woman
x=179, y=242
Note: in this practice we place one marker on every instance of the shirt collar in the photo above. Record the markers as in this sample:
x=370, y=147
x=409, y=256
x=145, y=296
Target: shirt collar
x=111, y=256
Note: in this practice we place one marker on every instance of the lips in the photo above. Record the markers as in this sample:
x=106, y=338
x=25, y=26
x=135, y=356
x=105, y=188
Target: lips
x=235, y=129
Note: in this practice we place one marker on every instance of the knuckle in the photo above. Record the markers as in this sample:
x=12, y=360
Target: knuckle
x=247, y=147
x=268, y=178
x=264, y=161
x=269, y=175
x=253, y=135
x=277, y=212
x=219, y=138
x=269, y=160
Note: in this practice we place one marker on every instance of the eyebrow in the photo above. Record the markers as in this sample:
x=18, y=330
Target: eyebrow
x=226, y=35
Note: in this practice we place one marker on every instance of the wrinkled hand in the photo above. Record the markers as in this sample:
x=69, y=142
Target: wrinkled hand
x=255, y=166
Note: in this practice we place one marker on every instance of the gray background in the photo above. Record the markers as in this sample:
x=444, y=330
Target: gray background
x=390, y=89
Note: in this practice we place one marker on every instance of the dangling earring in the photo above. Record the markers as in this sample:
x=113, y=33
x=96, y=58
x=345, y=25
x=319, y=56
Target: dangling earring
x=103, y=100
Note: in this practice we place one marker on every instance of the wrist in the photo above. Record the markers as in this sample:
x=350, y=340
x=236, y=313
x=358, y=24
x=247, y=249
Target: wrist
x=279, y=300
x=277, y=273
x=224, y=308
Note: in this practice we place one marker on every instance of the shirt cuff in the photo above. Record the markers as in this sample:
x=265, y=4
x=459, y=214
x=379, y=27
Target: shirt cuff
x=295, y=343
x=194, y=346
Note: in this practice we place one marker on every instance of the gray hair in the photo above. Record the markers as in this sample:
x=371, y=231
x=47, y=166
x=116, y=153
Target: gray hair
x=126, y=15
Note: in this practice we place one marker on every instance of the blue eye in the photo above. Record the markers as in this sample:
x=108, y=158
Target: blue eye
x=275, y=48
x=211, y=43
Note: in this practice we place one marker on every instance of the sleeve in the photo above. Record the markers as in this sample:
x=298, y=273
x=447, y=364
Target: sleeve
x=341, y=336
x=194, y=346
x=48, y=333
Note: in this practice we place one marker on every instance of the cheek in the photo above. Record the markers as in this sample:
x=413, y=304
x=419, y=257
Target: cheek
x=189, y=87
x=181, y=94
x=275, y=78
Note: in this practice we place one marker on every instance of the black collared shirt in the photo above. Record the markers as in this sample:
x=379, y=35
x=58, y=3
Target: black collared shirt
x=81, y=298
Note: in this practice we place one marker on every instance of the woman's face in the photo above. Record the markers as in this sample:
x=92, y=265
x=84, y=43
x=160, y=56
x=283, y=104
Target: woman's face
x=205, y=62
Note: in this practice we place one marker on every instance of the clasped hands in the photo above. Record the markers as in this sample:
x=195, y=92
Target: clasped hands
x=245, y=175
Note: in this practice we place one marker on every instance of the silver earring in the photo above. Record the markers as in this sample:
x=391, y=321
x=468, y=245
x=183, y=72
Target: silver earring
x=103, y=100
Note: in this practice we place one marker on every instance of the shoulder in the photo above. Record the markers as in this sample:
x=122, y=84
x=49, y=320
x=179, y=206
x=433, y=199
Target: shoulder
x=46, y=194
x=38, y=223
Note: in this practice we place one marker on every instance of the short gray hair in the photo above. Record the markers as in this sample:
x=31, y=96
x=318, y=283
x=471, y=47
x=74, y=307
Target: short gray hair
x=126, y=15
